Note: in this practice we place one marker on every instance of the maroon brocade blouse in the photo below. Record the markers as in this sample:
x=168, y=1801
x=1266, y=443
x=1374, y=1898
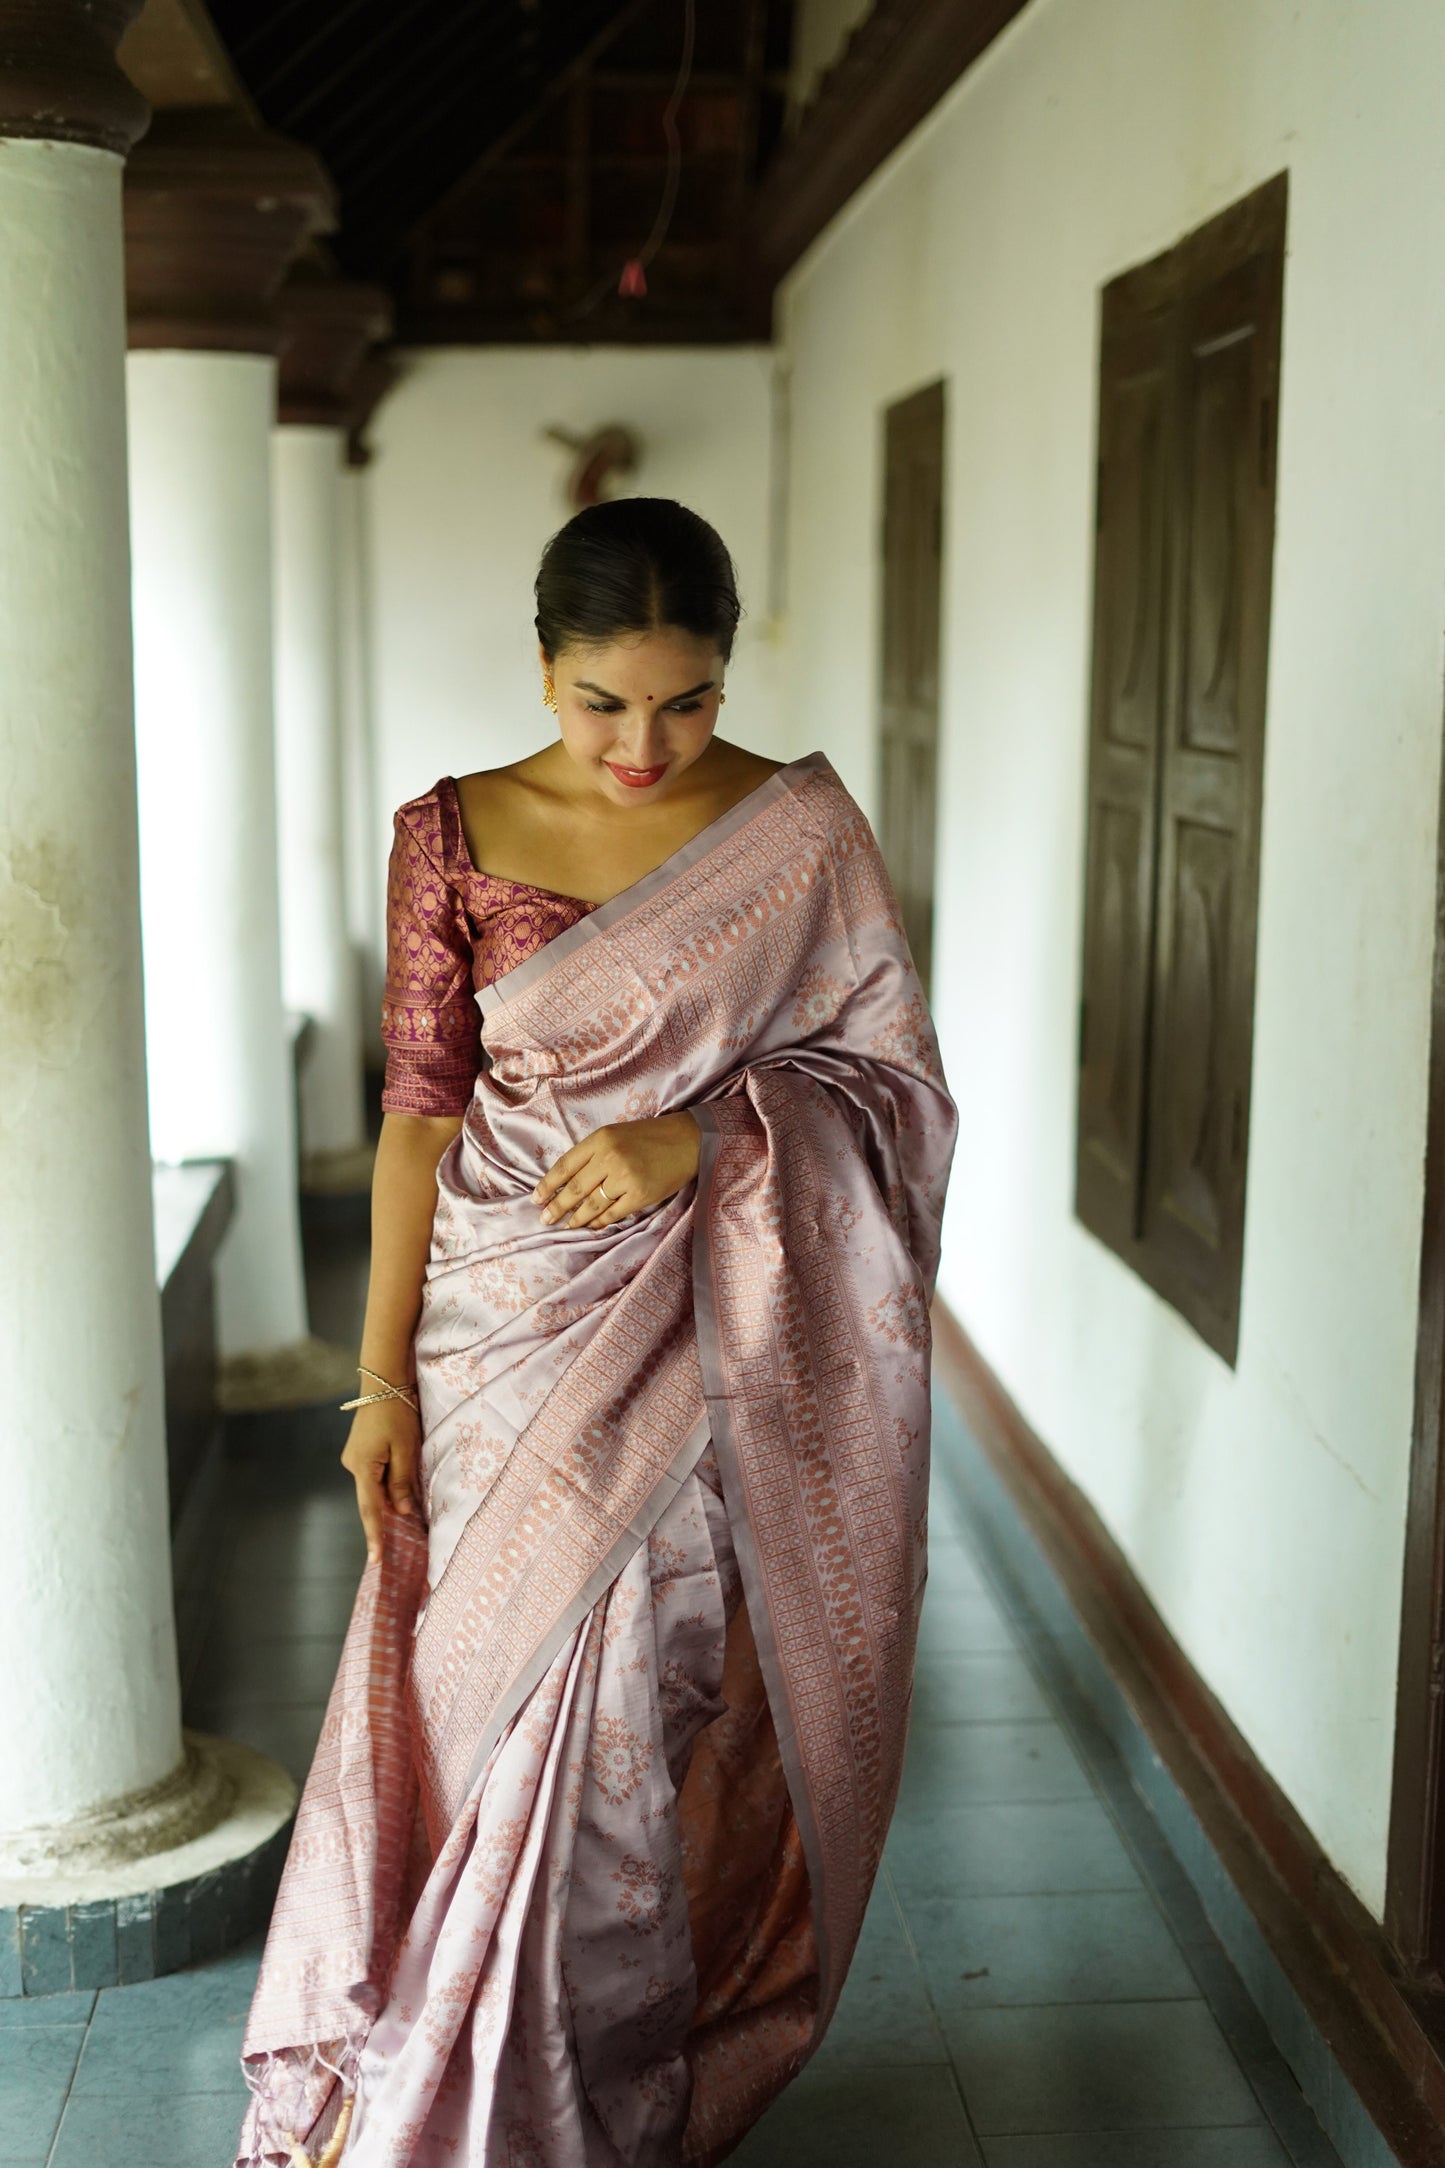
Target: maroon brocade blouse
x=449, y=930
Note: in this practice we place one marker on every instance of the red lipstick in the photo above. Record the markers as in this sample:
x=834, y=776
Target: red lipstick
x=637, y=778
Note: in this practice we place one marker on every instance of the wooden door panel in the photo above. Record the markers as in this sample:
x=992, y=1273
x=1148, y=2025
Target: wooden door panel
x=912, y=571
x=1220, y=544
x=1132, y=518
x=1110, y=1066
x=1123, y=765
x=1221, y=438
x=1190, y=1155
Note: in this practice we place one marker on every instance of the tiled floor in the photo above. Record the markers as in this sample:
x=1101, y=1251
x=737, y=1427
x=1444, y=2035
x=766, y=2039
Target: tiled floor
x=1019, y=1999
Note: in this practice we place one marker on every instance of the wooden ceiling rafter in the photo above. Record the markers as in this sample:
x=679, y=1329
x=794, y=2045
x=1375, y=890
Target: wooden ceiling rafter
x=582, y=67
x=499, y=161
x=603, y=113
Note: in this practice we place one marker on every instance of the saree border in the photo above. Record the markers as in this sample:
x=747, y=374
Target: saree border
x=779, y=784
x=668, y=1485
x=770, y=1661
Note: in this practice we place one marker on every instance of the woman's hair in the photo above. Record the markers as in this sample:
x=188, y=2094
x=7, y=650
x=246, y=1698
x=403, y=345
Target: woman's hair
x=635, y=564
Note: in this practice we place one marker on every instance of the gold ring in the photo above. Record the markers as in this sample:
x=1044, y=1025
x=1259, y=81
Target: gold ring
x=603, y=1187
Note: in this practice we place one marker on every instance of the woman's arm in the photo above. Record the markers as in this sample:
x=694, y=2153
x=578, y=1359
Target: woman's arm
x=381, y=1450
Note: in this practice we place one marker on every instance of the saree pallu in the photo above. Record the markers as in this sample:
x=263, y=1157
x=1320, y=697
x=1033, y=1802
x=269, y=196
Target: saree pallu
x=617, y=1732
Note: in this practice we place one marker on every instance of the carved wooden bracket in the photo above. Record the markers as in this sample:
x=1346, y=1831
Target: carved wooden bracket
x=59, y=79
x=215, y=215
x=328, y=328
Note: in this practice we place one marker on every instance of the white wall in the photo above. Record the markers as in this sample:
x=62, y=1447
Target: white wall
x=464, y=491
x=1263, y=1507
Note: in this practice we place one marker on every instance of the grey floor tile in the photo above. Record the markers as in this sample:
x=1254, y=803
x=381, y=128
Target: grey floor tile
x=999, y=1850
x=288, y=1735
x=71, y=2007
x=302, y=1536
x=122, y=2060
x=337, y=1267
x=1093, y=2067
x=961, y=1623
x=281, y=1674
x=974, y=1765
x=884, y=2015
x=157, y=2130
x=285, y=1607
x=36, y=2062
x=953, y=1570
x=218, y=1992
x=180, y=2034
x=1104, y=1946
x=851, y=2116
x=978, y=1689
x=1246, y=2148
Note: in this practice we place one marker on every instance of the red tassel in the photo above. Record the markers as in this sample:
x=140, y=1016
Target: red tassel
x=633, y=281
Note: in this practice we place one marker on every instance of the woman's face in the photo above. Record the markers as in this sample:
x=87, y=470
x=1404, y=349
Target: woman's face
x=636, y=713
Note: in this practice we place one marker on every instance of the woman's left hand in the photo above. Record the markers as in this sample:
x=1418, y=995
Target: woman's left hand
x=624, y=1168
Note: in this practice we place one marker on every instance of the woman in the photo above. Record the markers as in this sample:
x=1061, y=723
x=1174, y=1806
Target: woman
x=642, y=1447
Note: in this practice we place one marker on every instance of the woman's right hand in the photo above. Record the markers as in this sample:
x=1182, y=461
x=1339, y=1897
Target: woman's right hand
x=381, y=1454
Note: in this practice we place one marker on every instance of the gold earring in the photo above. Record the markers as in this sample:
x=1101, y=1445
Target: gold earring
x=722, y=700
x=549, y=694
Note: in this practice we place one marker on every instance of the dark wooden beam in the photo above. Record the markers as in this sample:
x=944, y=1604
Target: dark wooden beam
x=457, y=324
x=897, y=65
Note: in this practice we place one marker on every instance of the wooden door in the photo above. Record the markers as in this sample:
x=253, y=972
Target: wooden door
x=912, y=583
x=1188, y=399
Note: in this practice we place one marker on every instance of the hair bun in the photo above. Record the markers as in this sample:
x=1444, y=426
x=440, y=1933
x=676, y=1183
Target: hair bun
x=636, y=564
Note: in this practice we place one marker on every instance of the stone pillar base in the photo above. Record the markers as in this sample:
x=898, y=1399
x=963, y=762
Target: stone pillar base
x=104, y=1925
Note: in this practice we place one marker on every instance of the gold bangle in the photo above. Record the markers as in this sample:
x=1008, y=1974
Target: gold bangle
x=388, y=1392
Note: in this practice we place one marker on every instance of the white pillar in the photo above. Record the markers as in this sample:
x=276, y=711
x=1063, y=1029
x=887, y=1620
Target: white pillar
x=89, y=1703
x=318, y=966
x=366, y=848
x=220, y=1055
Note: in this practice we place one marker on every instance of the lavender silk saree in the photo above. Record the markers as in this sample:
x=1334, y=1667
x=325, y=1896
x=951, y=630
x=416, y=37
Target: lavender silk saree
x=616, y=1735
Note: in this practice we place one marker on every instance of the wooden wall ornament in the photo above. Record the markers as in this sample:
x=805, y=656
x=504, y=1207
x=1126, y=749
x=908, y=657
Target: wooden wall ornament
x=215, y=215
x=597, y=459
x=60, y=81
x=328, y=327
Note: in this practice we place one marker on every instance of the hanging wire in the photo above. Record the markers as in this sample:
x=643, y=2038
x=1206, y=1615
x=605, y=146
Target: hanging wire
x=633, y=279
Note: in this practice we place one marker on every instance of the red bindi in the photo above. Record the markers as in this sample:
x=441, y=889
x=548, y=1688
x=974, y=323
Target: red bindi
x=649, y=696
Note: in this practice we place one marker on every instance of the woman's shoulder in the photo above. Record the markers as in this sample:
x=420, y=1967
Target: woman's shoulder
x=430, y=822
x=823, y=799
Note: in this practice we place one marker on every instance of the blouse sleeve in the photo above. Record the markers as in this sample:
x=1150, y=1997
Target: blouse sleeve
x=430, y=1022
